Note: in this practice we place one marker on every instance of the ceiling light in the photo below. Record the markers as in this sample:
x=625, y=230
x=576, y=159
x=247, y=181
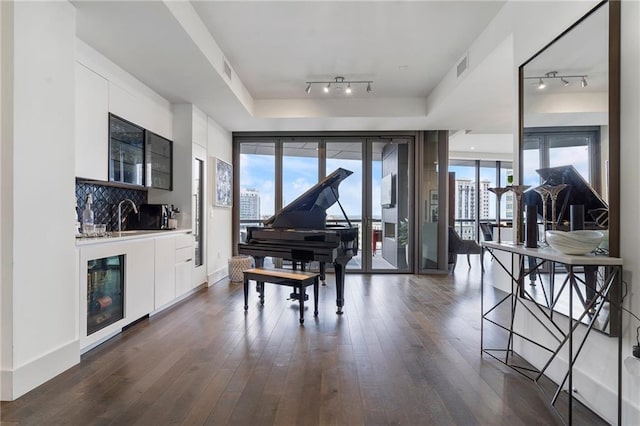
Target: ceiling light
x=338, y=84
x=541, y=84
x=542, y=80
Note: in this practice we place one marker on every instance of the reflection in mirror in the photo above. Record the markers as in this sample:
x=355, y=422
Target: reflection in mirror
x=566, y=121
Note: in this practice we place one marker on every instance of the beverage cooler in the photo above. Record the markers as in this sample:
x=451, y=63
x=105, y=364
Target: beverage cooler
x=105, y=292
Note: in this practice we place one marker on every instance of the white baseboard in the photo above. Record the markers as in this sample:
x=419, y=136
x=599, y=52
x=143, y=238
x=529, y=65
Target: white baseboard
x=218, y=275
x=21, y=380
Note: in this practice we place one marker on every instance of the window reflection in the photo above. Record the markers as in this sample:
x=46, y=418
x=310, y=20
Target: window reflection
x=475, y=204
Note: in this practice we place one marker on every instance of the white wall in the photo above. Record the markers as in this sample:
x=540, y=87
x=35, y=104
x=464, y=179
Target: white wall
x=38, y=195
x=6, y=216
x=220, y=218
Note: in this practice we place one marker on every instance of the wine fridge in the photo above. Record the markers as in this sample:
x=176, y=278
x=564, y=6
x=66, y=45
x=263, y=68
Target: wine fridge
x=105, y=292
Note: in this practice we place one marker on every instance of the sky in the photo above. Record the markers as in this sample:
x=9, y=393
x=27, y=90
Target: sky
x=301, y=173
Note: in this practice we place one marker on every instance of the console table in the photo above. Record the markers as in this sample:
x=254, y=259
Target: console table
x=608, y=291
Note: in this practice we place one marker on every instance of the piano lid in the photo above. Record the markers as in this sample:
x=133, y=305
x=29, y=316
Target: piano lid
x=317, y=199
x=578, y=192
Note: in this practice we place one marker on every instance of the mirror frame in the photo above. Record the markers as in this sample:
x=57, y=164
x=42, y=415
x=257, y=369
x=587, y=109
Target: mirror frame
x=614, y=118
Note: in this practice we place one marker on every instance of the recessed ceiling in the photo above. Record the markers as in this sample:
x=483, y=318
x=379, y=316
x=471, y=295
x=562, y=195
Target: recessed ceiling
x=404, y=47
x=273, y=48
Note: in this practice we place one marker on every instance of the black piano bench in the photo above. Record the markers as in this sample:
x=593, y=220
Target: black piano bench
x=296, y=279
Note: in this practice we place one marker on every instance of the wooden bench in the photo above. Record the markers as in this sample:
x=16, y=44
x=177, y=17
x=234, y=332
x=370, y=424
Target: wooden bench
x=296, y=279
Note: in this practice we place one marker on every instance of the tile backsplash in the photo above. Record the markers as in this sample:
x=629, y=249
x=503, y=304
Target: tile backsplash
x=105, y=202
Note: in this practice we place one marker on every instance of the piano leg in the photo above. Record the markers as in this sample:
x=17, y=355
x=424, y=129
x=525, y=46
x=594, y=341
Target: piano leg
x=259, y=260
x=339, y=271
x=323, y=272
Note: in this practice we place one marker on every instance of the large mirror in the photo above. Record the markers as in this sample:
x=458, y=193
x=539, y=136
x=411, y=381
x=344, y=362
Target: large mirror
x=569, y=134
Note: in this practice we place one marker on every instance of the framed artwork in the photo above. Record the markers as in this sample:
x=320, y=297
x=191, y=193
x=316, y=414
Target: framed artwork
x=433, y=196
x=433, y=211
x=223, y=187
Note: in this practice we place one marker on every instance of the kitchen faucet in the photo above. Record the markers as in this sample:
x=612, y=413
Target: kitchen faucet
x=135, y=210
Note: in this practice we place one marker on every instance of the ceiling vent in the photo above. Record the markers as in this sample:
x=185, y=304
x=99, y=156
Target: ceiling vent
x=227, y=69
x=462, y=65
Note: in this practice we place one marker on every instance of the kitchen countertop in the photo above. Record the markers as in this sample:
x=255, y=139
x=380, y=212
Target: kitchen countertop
x=129, y=235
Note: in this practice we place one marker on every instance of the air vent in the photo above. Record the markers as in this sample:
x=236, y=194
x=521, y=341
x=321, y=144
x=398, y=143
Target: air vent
x=462, y=65
x=227, y=69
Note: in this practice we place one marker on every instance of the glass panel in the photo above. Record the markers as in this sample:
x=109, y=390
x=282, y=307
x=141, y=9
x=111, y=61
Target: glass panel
x=348, y=155
x=126, y=152
x=466, y=199
x=430, y=201
x=257, y=185
x=506, y=209
x=570, y=149
x=158, y=161
x=299, y=169
x=198, y=167
x=487, y=199
x=105, y=288
x=531, y=160
x=390, y=179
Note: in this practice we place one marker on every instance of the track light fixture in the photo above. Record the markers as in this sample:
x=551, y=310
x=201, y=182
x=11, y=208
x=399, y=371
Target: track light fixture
x=564, y=79
x=339, y=83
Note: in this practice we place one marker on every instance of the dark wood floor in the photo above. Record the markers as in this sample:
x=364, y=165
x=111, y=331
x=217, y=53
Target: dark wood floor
x=406, y=351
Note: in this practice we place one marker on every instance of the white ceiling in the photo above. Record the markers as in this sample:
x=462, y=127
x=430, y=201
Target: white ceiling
x=406, y=48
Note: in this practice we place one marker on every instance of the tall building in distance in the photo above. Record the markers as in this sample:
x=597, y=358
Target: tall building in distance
x=249, y=204
x=466, y=205
x=484, y=199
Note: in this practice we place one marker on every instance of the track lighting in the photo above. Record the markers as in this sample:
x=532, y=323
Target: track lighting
x=564, y=79
x=339, y=82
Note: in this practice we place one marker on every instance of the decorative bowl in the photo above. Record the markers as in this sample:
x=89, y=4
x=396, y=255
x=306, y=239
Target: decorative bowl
x=574, y=242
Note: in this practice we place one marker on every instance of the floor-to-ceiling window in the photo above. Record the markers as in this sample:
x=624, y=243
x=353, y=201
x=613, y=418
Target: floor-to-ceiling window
x=551, y=147
x=347, y=154
x=474, y=203
x=280, y=169
x=257, y=180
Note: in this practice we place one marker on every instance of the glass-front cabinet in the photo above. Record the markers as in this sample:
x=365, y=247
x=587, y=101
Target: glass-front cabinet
x=138, y=156
x=105, y=292
x=159, y=159
x=126, y=152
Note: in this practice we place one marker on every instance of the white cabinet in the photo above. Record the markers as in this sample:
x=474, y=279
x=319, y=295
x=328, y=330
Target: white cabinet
x=139, y=286
x=173, y=266
x=184, y=264
x=91, y=127
x=140, y=110
x=165, y=259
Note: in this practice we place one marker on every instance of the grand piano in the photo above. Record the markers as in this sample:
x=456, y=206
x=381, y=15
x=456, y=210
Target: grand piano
x=299, y=233
x=578, y=192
